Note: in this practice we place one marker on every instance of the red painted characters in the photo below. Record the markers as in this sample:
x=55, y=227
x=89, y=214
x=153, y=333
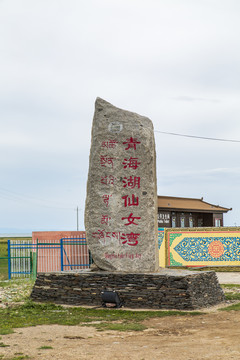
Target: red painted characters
x=131, y=143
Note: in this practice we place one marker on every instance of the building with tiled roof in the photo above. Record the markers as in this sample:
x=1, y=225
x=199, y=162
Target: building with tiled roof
x=188, y=212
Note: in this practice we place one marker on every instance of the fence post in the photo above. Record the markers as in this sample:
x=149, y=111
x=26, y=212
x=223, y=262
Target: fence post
x=31, y=262
x=34, y=265
x=61, y=249
x=9, y=260
x=36, y=259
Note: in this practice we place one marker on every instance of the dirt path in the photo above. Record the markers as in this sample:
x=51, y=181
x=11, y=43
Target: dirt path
x=210, y=336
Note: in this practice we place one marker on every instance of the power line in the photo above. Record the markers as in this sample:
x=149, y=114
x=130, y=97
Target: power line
x=77, y=218
x=197, y=137
x=20, y=198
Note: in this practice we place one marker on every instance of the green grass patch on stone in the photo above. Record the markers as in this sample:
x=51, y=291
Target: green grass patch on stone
x=45, y=347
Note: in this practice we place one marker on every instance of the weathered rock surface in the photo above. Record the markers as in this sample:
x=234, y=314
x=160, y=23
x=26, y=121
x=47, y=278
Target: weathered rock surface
x=121, y=203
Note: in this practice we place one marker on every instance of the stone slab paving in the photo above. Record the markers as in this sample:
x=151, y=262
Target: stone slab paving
x=228, y=277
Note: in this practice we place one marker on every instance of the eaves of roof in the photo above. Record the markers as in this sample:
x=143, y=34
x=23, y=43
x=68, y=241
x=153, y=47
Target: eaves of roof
x=192, y=205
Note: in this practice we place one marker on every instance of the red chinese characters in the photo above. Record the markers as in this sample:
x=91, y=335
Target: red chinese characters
x=130, y=218
x=112, y=160
x=127, y=200
x=131, y=182
x=131, y=239
x=132, y=163
x=131, y=143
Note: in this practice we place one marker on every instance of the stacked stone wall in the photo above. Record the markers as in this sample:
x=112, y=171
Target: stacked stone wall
x=166, y=290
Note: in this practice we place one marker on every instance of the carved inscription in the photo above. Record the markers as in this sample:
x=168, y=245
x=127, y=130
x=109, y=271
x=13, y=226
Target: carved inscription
x=120, y=214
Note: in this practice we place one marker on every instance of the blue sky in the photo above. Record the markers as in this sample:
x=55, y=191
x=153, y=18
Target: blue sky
x=174, y=61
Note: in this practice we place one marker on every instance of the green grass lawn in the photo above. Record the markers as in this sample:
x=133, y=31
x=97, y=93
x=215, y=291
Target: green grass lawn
x=32, y=314
x=22, y=312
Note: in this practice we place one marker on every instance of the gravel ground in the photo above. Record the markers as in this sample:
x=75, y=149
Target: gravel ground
x=15, y=291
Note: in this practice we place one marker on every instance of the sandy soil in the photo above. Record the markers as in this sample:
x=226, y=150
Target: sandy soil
x=209, y=336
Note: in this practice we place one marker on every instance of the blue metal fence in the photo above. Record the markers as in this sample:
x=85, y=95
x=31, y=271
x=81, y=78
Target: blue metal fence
x=26, y=258
x=74, y=254
x=19, y=258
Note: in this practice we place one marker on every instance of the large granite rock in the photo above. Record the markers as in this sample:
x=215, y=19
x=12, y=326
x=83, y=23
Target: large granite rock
x=121, y=203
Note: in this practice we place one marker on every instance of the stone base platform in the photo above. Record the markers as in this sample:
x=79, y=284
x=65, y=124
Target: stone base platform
x=167, y=289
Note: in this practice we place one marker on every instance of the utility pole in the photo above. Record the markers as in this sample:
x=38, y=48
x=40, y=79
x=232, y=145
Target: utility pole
x=77, y=218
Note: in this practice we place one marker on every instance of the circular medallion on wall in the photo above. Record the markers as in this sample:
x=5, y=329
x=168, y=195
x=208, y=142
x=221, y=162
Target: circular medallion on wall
x=216, y=249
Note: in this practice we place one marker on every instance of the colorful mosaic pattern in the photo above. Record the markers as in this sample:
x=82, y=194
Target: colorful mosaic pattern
x=209, y=249
x=160, y=237
x=162, y=247
x=203, y=248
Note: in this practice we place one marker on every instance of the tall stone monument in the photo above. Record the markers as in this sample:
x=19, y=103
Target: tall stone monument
x=121, y=227
x=121, y=203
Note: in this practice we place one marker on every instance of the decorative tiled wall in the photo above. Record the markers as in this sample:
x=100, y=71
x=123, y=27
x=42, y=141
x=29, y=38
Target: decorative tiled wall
x=201, y=248
x=162, y=247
